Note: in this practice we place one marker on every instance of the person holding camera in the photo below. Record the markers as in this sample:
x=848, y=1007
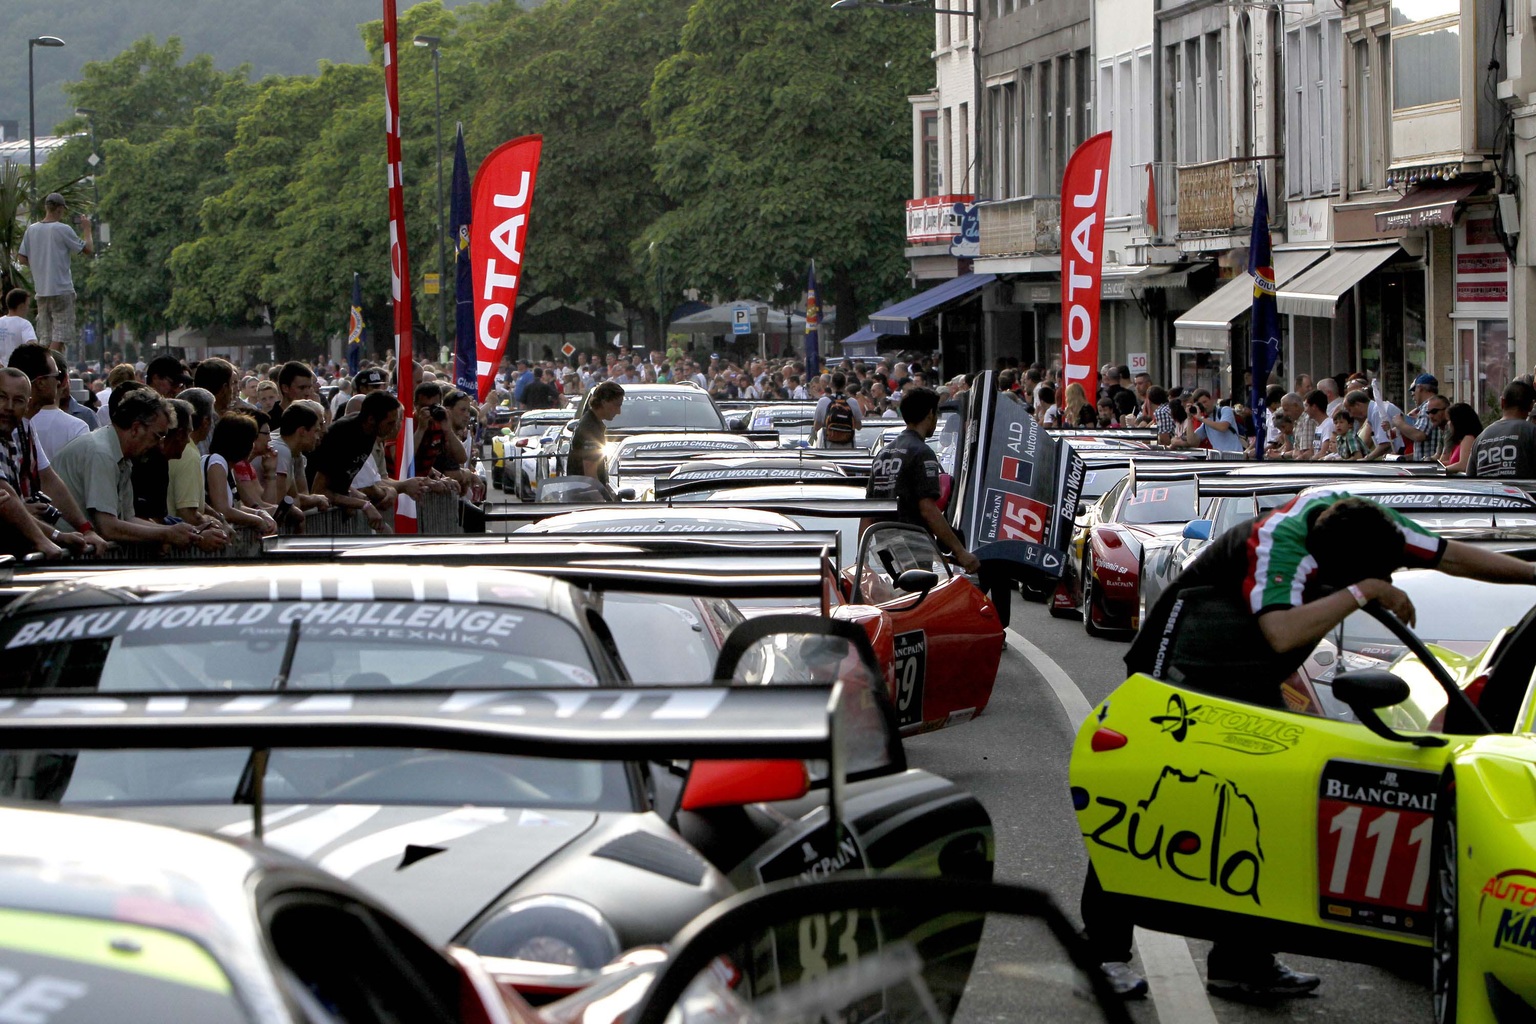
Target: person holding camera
x=437, y=444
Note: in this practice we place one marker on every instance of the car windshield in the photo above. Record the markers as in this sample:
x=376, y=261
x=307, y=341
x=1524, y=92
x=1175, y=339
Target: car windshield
x=1097, y=482
x=233, y=647
x=1172, y=501
x=673, y=408
x=664, y=640
x=1461, y=613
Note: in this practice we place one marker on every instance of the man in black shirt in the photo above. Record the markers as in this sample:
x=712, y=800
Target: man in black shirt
x=907, y=471
x=540, y=393
x=587, y=457
x=347, y=445
x=1507, y=448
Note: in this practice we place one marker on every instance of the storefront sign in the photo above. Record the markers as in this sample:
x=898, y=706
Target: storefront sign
x=935, y=220
x=1482, y=266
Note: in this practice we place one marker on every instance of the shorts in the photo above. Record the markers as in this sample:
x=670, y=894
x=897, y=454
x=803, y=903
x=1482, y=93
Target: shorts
x=56, y=320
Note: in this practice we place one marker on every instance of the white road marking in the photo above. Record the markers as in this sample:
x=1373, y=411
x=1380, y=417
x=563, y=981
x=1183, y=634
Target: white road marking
x=1177, y=993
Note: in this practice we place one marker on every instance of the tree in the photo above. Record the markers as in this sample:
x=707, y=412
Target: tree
x=783, y=134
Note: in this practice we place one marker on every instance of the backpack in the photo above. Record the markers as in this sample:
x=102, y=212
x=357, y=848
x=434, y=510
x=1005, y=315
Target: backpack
x=838, y=426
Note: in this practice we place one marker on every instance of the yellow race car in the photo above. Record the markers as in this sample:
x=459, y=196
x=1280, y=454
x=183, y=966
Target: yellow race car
x=1406, y=827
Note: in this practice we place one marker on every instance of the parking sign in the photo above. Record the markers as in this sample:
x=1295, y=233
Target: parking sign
x=741, y=320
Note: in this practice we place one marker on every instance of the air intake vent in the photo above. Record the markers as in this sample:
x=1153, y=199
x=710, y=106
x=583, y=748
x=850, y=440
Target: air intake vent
x=654, y=854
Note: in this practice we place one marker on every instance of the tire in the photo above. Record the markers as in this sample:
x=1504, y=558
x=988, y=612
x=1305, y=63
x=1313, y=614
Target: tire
x=1088, y=624
x=1446, y=958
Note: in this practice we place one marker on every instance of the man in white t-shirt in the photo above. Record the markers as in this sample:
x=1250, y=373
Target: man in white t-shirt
x=53, y=427
x=46, y=248
x=15, y=328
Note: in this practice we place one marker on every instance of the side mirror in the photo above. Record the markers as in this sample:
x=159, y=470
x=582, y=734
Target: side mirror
x=918, y=581
x=626, y=494
x=1368, y=690
x=737, y=783
x=1371, y=688
x=1082, y=509
x=736, y=425
x=1197, y=529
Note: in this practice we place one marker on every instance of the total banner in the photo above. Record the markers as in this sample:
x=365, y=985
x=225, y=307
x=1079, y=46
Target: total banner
x=500, y=204
x=1018, y=487
x=1084, y=192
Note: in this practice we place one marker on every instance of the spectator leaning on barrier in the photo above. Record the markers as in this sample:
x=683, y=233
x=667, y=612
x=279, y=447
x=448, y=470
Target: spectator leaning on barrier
x=299, y=432
x=296, y=383
x=347, y=447
x=233, y=438
x=217, y=377
x=186, y=470
x=27, y=472
x=98, y=470
x=152, y=470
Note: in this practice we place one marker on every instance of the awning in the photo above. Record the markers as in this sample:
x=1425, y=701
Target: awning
x=1317, y=292
x=1173, y=281
x=1209, y=324
x=862, y=342
x=1425, y=206
x=898, y=319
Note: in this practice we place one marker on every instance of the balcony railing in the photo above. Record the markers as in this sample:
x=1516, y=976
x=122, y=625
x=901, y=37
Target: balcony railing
x=934, y=220
x=1218, y=197
x=1020, y=227
x=1160, y=205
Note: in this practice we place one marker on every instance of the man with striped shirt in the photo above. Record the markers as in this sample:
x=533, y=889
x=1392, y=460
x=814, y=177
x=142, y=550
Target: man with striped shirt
x=1239, y=620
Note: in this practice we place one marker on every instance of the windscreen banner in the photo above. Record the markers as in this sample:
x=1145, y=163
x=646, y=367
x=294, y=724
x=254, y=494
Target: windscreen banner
x=1084, y=192
x=500, y=204
x=1018, y=485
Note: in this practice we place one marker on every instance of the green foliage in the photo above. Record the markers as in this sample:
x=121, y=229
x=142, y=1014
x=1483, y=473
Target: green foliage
x=710, y=144
x=783, y=134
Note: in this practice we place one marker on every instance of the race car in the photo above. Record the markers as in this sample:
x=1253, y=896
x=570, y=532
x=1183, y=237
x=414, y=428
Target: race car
x=1399, y=836
x=483, y=846
x=104, y=920
x=522, y=457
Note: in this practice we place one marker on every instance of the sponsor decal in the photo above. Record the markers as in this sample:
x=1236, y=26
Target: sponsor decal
x=1513, y=895
x=684, y=445
x=817, y=856
x=1201, y=828
x=1374, y=830
x=1017, y=470
x=1240, y=730
x=1453, y=500
x=1008, y=516
x=911, y=673
x=766, y=473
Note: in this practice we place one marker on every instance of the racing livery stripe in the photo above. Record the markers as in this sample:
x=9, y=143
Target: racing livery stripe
x=157, y=954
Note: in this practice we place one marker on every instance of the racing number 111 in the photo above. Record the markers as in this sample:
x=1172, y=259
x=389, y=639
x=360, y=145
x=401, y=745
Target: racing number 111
x=1344, y=880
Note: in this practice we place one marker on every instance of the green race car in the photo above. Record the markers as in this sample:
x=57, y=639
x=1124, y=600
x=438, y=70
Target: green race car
x=1408, y=830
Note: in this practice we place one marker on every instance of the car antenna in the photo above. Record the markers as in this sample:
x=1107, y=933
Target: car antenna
x=257, y=766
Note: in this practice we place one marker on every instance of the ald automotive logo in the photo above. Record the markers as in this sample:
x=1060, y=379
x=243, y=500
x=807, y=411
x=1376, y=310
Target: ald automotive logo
x=1235, y=729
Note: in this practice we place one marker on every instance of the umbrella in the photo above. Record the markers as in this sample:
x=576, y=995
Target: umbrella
x=720, y=320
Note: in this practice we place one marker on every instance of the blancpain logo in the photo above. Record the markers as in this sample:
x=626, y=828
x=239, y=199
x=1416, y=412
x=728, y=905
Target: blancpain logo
x=1338, y=789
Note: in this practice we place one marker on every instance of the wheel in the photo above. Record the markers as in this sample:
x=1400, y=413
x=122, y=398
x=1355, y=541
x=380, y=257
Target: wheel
x=1088, y=624
x=1445, y=962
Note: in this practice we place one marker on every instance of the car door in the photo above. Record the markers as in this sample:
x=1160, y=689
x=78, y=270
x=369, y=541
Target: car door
x=1217, y=814
x=948, y=641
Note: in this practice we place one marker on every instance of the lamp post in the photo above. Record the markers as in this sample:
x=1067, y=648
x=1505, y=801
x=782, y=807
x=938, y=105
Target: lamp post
x=32, y=106
x=434, y=43
x=93, y=160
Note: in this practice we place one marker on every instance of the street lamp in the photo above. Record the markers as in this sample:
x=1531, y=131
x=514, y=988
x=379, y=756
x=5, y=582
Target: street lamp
x=434, y=43
x=32, y=104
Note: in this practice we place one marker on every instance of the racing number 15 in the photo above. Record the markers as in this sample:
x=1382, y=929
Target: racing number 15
x=1022, y=519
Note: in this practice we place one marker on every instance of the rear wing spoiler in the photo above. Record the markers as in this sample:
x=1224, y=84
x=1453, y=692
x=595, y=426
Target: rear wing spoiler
x=619, y=724
x=716, y=480
x=533, y=512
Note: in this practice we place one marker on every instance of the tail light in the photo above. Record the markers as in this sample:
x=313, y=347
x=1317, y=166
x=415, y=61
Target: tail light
x=1474, y=690
x=1107, y=739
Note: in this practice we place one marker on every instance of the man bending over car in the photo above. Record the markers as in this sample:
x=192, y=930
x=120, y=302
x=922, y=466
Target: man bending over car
x=1238, y=621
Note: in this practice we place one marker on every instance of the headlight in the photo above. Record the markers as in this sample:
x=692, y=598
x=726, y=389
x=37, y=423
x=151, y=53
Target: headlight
x=549, y=929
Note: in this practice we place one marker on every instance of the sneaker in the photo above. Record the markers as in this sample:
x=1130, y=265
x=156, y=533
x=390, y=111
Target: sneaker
x=1123, y=981
x=1271, y=980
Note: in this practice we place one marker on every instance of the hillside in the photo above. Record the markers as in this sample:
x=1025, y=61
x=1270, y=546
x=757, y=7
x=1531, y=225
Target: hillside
x=273, y=36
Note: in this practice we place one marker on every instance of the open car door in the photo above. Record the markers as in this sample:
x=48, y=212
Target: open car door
x=947, y=634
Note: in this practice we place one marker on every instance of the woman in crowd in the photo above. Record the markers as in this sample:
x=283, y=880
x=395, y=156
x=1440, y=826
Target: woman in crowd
x=232, y=442
x=1465, y=426
x=1079, y=412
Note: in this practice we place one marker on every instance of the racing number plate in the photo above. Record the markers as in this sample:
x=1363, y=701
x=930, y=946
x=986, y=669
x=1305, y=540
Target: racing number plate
x=911, y=672
x=1374, y=827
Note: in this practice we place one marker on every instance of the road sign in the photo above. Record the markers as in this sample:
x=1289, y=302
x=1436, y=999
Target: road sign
x=741, y=320
x=568, y=350
x=431, y=284
x=1137, y=361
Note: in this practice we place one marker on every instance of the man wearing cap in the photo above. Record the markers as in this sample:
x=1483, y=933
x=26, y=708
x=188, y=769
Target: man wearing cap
x=1418, y=426
x=168, y=376
x=364, y=384
x=46, y=249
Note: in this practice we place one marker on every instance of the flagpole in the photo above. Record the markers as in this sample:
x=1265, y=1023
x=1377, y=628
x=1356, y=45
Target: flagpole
x=399, y=273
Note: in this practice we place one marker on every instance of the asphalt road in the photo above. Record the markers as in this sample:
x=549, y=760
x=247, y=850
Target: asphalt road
x=1014, y=758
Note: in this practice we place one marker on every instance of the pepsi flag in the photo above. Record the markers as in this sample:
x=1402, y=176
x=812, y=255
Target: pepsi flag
x=1264, y=350
x=463, y=275
x=1018, y=486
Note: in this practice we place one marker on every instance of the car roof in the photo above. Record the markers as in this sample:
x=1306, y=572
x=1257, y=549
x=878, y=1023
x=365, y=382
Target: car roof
x=294, y=581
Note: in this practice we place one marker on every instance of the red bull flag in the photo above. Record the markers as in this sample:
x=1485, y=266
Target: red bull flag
x=399, y=273
x=1084, y=189
x=498, y=230
x=812, y=325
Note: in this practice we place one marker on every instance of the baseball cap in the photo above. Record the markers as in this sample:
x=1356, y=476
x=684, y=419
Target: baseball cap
x=371, y=377
x=1426, y=380
x=54, y=199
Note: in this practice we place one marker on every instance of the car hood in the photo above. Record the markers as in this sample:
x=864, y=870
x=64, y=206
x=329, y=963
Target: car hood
x=436, y=867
